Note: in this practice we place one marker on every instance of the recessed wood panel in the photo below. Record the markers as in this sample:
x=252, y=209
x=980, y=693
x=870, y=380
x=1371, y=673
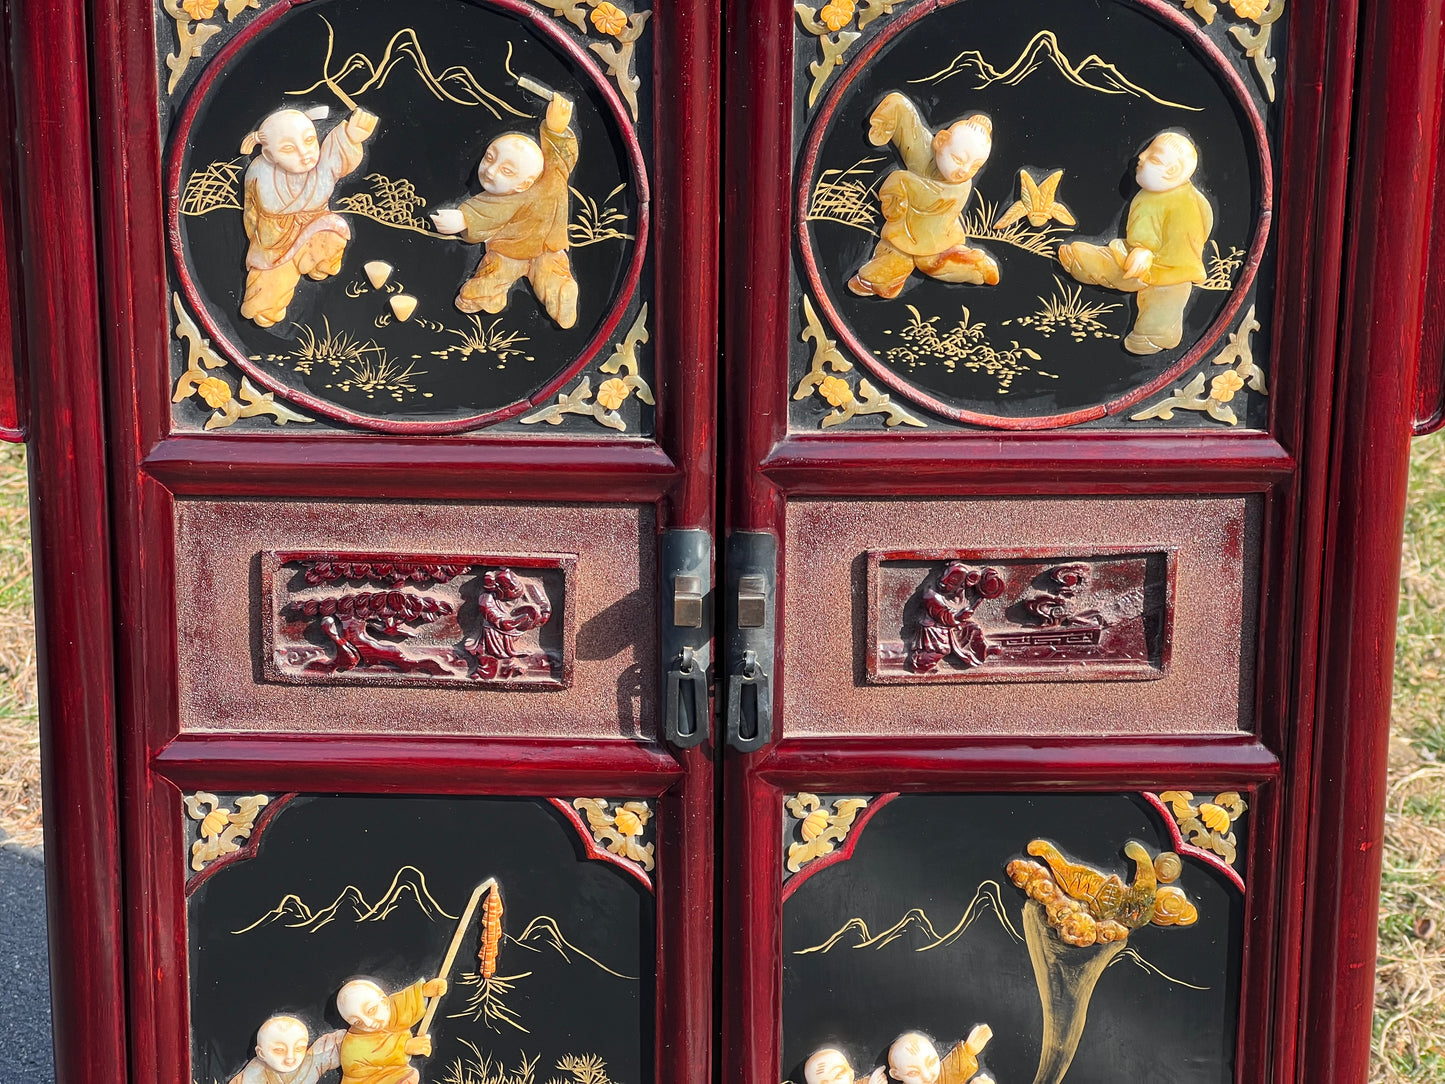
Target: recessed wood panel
x=599, y=624
x=1213, y=548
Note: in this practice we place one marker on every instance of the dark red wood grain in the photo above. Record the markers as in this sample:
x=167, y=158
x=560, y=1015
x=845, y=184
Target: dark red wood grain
x=1398, y=94
x=70, y=533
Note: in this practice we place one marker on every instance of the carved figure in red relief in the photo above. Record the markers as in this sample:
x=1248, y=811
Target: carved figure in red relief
x=509, y=610
x=946, y=626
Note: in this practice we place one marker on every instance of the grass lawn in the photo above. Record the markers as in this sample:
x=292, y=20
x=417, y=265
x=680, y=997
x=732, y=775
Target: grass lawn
x=1410, y=998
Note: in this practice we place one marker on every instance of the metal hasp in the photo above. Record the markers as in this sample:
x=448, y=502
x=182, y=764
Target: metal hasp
x=685, y=578
x=752, y=577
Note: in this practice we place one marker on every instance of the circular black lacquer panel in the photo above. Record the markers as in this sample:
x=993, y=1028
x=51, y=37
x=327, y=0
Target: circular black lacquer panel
x=1078, y=87
x=444, y=78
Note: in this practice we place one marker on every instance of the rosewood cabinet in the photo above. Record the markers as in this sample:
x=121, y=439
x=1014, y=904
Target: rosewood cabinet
x=616, y=542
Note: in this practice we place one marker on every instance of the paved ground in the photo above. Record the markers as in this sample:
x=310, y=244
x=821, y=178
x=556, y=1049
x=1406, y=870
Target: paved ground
x=25, y=1056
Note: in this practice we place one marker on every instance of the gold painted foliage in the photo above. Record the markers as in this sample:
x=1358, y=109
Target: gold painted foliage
x=1245, y=373
x=620, y=829
x=1087, y=906
x=625, y=29
x=829, y=24
x=193, y=30
x=837, y=391
x=623, y=367
x=819, y=829
x=1208, y=825
x=221, y=829
x=1255, y=39
x=215, y=392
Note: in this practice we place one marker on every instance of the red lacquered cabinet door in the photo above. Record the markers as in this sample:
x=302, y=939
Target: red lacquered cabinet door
x=389, y=319
x=1064, y=475
x=595, y=541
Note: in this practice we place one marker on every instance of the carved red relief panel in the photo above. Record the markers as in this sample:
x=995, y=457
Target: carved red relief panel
x=1043, y=614
x=501, y=621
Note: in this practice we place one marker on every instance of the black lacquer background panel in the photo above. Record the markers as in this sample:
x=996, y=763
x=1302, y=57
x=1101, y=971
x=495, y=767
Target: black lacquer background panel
x=923, y=860
x=459, y=366
x=350, y=851
x=1075, y=90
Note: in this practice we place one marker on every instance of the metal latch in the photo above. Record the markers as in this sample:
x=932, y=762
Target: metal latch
x=686, y=640
x=752, y=576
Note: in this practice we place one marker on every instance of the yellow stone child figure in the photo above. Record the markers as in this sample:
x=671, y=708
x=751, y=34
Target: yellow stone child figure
x=1161, y=256
x=287, y=214
x=286, y=1055
x=379, y=1045
x=923, y=202
x=521, y=216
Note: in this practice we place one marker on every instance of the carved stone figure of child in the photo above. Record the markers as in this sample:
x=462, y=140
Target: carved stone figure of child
x=922, y=202
x=379, y=1045
x=1161, y=255
x=521, y=217
x=285, y=1054
x=287, y=212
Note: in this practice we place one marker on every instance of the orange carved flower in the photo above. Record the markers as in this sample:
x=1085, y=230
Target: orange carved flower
x=609, y=19
x=628, y=822
x=1223, y=386
x=837, y=14
x=836, y=391
x=215, y=391
x=613, y=393
x=199, y=9
x=1248, y=9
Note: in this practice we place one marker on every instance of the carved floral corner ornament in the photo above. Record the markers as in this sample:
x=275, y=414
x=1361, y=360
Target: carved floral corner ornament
x=611, y=393
x=221, y=828
x=837, y=391
x=1254, y=38
x=625, y=29
x=1208, y=823
x=194, y=29
x=831, y=25
x=199, y=380
x=620, y=830
x=819, y=829
x=1243, y=373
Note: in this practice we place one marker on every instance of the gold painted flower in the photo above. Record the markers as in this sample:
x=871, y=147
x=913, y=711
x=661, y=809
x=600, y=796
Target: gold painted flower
x=215, y=391
x=613, y=393
x=199, y=9
x=1223, y=387
x=609, y=19
x=836, y=391
x=837, y=14
x=1248, y=9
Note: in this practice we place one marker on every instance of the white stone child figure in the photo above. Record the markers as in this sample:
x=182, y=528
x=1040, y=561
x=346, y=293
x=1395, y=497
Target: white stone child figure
x=831, y=1066
x=287, y=214
x=913, y=1059
x=285, y=1054
x=521, y=216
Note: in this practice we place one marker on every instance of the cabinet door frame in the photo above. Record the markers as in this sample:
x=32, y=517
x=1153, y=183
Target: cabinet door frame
x=107, y=472
x=1330, y=469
